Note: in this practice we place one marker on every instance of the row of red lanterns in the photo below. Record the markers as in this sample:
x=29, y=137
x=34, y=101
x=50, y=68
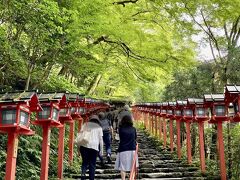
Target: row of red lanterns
x=52, y=110
x=214, y=108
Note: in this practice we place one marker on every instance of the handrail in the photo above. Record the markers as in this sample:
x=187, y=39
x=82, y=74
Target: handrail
x=134, y=166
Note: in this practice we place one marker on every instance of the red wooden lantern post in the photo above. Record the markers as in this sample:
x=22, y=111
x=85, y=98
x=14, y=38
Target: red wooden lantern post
x=148, y=116
x=152, y=112
x=82, y=112
x=178, y=114
x=139, y=114
x=73, y=100
x=218, y=108
x=89, y=108
x=64, y=116
x=164, y=124
x=156, y=118
x=15, y=110
x=158, y=113
x=170, y=116
x=160, y=121
x=47, y=118
x=200, y=115
x=145, y=115
x=139, y=111
x=188, y=117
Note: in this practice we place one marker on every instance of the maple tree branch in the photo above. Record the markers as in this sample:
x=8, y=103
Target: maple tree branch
x=126, y=49
x=125, y=2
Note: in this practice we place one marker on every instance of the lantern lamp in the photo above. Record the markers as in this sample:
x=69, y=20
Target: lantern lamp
x=170, y=110
x=232, y=97
x=73, y=99
x=178, y=112
x=65, y=108
x=164, y=109
x=199, y=109
x=15, y=110
x=158, y=106
x=50, y=110
x=218, y=108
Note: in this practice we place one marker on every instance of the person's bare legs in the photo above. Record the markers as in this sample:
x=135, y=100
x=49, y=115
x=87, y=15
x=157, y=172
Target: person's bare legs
x=123, y=175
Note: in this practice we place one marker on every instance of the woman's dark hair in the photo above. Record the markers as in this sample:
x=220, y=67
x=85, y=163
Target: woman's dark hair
x=101, y=115
x=126, y=121
x=94, y=119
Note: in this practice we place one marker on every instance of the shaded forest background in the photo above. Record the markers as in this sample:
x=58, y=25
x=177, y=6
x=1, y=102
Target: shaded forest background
x=140, y=50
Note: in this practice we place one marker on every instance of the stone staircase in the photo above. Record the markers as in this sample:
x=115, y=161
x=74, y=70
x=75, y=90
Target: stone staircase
x=154, y=163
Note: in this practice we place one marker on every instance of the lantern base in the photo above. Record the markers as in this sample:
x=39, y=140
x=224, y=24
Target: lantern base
x=236, y=118
x=170, y=117
x=51, y=123
x=22, y=130
x=215, y=119
x=65, y=119
x=76, y=116
x=197, y=119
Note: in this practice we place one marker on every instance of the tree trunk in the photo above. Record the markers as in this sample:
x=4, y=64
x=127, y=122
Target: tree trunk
x=93, y=85
x=30, y=69
x=45, y=76
x=63, y=70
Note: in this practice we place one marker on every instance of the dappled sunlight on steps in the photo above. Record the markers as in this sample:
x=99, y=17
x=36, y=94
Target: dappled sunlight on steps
x=154, y=163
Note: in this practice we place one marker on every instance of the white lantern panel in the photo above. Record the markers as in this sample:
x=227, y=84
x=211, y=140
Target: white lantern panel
x=200, y=111
x=73, y=109
x=220, y=110
x=236, y=107
x=164, y=111
x=82, y=110
x=55, y=114
x=188, y=112
x=63, y=112
x=169, y=112
x=45, y=113
x=8, y=116
x=24, y=116
x=178, y=112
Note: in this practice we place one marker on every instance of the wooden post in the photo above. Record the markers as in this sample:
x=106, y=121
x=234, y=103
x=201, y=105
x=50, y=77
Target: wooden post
x=221, y=151
x=61, y=152
x=156, y=125
x=160, y=128
x=152, y=124
x=189, y=146
x=71, y=141
x=164, y=133
x=171, y=134
x=178, y=124
x=12, y=148
x=45, y=151
x=201, y=146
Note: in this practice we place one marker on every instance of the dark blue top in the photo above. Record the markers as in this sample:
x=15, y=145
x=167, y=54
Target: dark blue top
x=127, y=137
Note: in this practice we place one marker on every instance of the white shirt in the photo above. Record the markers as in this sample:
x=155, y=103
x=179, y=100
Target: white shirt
x=96, y=136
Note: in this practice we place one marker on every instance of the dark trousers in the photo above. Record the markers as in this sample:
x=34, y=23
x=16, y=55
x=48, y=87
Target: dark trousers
x=89, y=157
x=107, y=141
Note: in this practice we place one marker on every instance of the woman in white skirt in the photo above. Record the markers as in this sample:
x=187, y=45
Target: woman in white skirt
x=127, y=146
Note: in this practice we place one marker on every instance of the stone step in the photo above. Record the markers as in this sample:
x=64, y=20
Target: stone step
x=169, y=175
x=173, y=169
x=182, y=178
